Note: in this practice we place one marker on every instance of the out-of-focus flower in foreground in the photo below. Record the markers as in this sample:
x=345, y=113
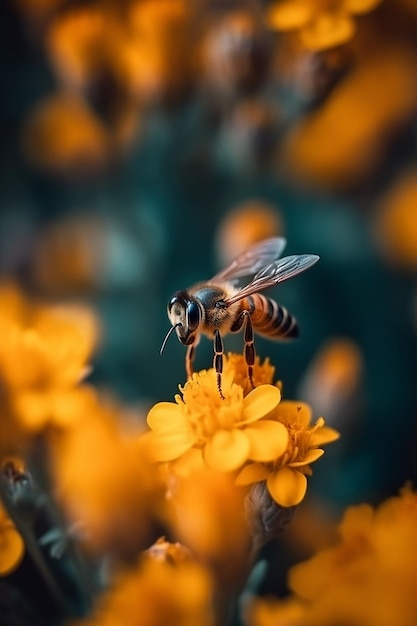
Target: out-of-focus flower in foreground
x=116, y=494
x=321, y=24
x=369, y=577
x=11, y=544
x=157, y=592
x=44, y=355
x=286, y=475
x=223, y=433
x=215, y=529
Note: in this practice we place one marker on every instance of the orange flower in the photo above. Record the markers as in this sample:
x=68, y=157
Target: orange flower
x=322, y=23
x=63, y=135
x=368, y=577
x=116, y=492
x=42, y=362
x=286, y=475
x=215, y=529
x=156, y=592
x=223, y=433
x=12, y=547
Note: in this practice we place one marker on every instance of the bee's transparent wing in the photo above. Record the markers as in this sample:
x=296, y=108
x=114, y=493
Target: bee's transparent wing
x=253, y=260
x=275, y=273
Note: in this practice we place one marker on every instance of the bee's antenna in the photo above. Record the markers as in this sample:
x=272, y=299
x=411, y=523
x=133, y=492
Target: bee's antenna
x=167, y=336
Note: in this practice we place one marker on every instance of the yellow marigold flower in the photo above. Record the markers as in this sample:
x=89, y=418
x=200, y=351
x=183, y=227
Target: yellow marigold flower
x=223, y=433
x=117, y=495
x=44, y=354
x=368, y=577
x=156, y=592
x=286, y=475
x=11, y=544
x=322, y=23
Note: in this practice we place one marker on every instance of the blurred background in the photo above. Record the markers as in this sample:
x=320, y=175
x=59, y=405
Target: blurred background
x=144, y=143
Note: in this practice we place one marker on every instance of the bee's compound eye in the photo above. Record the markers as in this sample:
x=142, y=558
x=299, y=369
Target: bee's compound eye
x=171, y=303
x=193, y=315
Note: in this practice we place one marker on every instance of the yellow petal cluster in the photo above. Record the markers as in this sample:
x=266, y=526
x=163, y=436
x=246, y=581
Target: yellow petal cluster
x=321, y=23
x=44, y=354
x=368, y=577
x=286, y=475
x=200, y=428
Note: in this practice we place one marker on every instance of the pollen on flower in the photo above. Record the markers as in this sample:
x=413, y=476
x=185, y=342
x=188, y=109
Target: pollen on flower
x=263, y=373
x=206, y=411
x=220, y=433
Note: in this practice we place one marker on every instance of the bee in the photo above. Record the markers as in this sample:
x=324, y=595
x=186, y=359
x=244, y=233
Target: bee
x=218, y=306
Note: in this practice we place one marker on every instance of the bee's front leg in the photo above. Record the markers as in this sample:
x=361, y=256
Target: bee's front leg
x=218, y=360
x=189, y=358
x=249, y=348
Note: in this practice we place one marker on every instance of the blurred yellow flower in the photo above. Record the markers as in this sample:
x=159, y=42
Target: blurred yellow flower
x=223, y=433
x=286, y=475
x=215, y=529
x=75, y=44
x=367, y=578
x=12, y=547
x=245, y=225
x=44, y=355
x=156, y=592
x=341, y=143
x=114, y=492
x=322, y=23
x=63, y=135
x=396, y=224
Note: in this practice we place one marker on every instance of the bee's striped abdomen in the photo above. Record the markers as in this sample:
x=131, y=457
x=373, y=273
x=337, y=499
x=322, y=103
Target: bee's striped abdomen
x=271, y=319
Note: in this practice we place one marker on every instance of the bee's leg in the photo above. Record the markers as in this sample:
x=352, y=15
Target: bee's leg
x=189, y=357
x=218, y=360
x=249, y=349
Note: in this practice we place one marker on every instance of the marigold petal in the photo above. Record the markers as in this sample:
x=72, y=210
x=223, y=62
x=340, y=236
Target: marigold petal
x=324, y=435
x=11, y=549
x=287, y=486
x=190, y=462
x=165, y=417
x=269, y=439
x=259, y=402
x=292, y=410
x=169, y=447
x=309, y=457
x=252, y=473
x=227, y=450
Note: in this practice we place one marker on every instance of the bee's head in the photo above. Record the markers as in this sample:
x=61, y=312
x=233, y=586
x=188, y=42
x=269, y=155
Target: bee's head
x=184, y=315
